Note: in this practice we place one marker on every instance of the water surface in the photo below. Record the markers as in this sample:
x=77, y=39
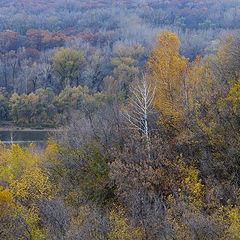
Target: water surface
x=25, y=137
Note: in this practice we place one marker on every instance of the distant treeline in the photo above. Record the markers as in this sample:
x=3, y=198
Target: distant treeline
x=48, y=46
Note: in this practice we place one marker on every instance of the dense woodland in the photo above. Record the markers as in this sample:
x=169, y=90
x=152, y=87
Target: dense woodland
x=150, y=141
x=47, y=46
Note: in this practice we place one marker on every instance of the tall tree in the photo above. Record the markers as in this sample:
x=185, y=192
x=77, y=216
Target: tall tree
x=167, y=70
x=141, y=104
x=68, y=64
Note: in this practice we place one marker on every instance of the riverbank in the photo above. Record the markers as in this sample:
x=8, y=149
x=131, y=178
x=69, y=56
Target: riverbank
x=19, y=129
x=10, y=126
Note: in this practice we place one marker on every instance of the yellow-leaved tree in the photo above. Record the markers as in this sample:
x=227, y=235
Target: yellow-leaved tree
x=68, y=63
x=5, y=203
x=167, y=70
x=122, y=228
x=186, y=205
x=25, y=185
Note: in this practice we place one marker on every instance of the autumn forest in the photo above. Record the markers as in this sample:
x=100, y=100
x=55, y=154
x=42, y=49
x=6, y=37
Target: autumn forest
x=144, y=98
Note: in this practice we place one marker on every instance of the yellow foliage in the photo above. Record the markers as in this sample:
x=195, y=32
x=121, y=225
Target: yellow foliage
x=199, y=85
x=33, y=185
x=227, y=58
x=122, y=228
x=223, y=51
x=191, y=190
x=15, y=161
x=167, y=71
x=26, y=185
x=187, y=201
x=67, y=64
x=229, y=219
x=203, y=93
x=51, y=153
x=123, y=60
x=5, y=202
x=31, y=219
x=234, y=97
x=193, y=186
x=233, y=218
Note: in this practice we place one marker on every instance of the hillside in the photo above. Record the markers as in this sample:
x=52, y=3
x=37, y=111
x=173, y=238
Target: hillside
x=144, y=97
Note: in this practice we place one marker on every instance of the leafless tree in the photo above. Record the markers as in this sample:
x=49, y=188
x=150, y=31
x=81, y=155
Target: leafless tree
x=141, y=107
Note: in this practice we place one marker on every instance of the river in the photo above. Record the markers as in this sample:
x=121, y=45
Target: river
x=25, y=137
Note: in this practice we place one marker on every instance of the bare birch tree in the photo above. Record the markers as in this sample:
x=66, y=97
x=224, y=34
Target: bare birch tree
x=141, y=106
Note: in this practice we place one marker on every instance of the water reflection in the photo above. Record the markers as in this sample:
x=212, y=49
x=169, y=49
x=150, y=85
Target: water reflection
x=24, y=138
